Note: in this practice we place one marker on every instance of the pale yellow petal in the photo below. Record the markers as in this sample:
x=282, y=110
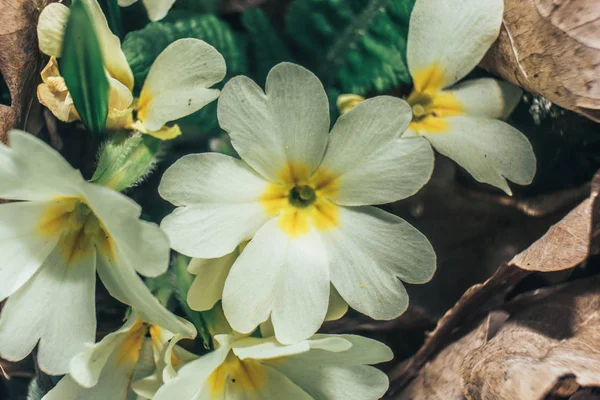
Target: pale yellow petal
x=51, y=27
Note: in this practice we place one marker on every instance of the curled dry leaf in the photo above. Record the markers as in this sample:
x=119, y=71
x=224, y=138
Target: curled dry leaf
x=19, y=63
x=552, y=48
x=557, y=336
x=578, y=232
x=440, y=378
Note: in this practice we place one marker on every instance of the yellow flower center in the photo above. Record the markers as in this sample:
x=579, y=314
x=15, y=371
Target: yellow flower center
x=430, y=104
x=131, y=347
x=246, y=376
x=78, y=227
x=302, y=200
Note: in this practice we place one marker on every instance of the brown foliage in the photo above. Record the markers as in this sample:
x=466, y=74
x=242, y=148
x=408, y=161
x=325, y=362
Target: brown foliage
x=552, y=48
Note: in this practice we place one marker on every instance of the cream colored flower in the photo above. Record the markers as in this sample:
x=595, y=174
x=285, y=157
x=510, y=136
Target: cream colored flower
x=105, y=370
x=157, y=9
x=54, y=239
x=302, y=195
x=446, y=40
x=178, y=83
x=334, y=367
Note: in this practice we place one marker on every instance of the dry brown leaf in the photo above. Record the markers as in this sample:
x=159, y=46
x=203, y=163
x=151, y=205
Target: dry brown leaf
x=552, y=48
x=20, y=61
x=557, y=336
x=578, y=231
x=440, y=378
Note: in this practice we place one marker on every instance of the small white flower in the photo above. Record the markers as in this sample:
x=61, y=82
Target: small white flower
x=52, y=244
x=106, y=369
x=446, y=40
x=302, y=194
x=334, y=367
x=178, y=83
x=157, y=9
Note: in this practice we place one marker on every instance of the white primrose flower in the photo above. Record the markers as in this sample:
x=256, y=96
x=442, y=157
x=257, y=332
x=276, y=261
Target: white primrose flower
x=106, y=369
x=247, y=368
x=178, y=83
x=157, y=9
x=446, y=40
x=53, y=241
x=301, y=194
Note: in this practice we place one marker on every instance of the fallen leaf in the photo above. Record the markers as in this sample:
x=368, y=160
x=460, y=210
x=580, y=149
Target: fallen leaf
x=551, y=48
x=20, y=61
x=577, y=231
x=557, y=336
x=440, y=378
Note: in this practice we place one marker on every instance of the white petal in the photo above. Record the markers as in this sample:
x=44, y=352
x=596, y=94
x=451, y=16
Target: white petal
x=22, y=249
x=259, y=348
x=251, y=287
x=287, y=124
x=114, y=59
x=361, y=351
x=210, y=178
x=140, y=244
x=490, y=150
x=32, y=170
x=288, y=276
x=303, y=289
x=213, y=230
x=51, y=28
x=369, y=252
x=453, y=36
x=59, y=303
x=126, y=286
x=371, y=164
x=157, y=9
x=274, y=385
x=85, y=368
x=207, y=288
x=487, y=97
x=178, y=81
x=191, y=378
x=126, y=3
x=337, y=306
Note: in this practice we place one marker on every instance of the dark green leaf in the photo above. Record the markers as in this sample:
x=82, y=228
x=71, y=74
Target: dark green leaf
x=83, y=69
x=113, y=16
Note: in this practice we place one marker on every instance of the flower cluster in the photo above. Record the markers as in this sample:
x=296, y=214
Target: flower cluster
x=282, y=238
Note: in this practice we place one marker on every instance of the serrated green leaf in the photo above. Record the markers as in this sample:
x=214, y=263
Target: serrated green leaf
x=82, y=67
x=266, y=48
x=357, y=46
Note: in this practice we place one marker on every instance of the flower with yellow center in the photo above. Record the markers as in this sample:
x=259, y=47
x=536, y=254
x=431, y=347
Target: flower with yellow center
x=446, y=40
x=301, y=195
x=106, y=369
x=54, y=240
x=178, y=83
x=332, y=367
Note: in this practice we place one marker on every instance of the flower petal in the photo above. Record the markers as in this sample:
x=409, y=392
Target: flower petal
x=337, y=306
x=22, y=249
x=114, y=59
x=126, y=286
x=85, y=368
x=212, y=230
x=259, y=348
x=487, y=97
x=362, y=351
x=178, y=81
x=32, y=170
x=446, y=39
x=287, y=124
x=303, y=289
x=371, y=164
x=157, y=9
x=287, y=276
x=369, y=252
x=210, y=178
x=274, y=385
x=207, y=287
x=51, y=28
x=490, y=150
x=59, y=303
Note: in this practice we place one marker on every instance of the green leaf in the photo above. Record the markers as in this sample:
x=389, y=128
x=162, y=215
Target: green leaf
x=357, y=46
x=82, y=67
x=266, y=48
x=113, y=16
x=198, y=6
